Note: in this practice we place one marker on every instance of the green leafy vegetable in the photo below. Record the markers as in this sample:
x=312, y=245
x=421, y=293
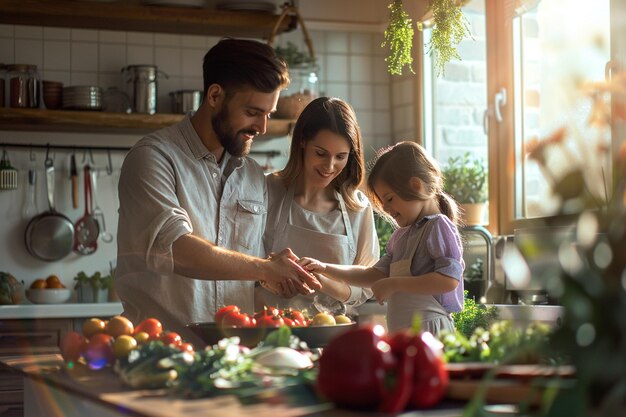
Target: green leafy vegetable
x=473, y=316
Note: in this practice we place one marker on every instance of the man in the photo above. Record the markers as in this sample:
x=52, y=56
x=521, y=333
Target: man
x=193, y=205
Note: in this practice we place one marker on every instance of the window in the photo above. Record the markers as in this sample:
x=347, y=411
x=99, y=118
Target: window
x=520, y=79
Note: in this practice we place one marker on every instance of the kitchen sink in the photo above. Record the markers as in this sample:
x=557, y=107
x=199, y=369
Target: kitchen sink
x=550, y=314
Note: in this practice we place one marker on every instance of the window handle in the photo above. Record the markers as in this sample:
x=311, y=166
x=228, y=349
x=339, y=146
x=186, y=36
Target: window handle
x=499, y=100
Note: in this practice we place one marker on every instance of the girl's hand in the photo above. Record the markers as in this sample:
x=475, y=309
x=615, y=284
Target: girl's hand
x=312, y=265
x=383, y=289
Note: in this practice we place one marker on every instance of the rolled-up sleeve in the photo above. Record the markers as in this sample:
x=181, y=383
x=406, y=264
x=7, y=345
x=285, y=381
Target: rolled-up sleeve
x=152, y=219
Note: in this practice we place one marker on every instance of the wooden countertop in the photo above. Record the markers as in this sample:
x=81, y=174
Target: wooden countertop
x=104, y=388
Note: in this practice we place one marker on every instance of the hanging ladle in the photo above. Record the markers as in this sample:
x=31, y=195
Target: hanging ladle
x=87, y=228
x=98, y=213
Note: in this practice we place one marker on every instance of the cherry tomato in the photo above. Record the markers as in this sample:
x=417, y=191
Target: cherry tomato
x=72, y=346
x=236, y=319
x=219, y=314
x=98, y=352
x=171, y=338
x=186, y=347
x=152, y=326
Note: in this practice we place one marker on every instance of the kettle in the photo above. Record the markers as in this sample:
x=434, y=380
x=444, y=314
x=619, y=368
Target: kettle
x=142, y=87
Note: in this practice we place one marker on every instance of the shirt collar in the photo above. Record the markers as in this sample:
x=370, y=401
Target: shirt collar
x=198, y=149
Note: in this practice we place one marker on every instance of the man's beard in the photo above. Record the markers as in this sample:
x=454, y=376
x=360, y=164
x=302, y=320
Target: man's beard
x=229, y=139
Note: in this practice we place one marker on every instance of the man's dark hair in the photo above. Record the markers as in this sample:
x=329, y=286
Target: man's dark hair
x=237, y=63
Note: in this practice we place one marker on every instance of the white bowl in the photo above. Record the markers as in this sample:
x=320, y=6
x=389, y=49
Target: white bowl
x=48, y=295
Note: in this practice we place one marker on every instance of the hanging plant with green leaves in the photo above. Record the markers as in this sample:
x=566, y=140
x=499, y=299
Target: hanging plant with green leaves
x=399, y=37
x=450, y=28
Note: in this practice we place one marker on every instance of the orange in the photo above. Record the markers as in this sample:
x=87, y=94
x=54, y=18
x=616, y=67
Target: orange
x=53, y=281
x=55, y=285
x=119, y=325
x=92, y=327
x=38, y=284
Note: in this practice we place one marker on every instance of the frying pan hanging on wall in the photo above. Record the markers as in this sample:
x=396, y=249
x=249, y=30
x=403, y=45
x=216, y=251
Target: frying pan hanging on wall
x=49, y=236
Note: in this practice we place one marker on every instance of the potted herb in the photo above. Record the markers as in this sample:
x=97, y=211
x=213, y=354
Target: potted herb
x=93, y=288
x=466, y=181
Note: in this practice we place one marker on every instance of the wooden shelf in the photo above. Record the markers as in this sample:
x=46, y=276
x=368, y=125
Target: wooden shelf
x=131, y=16
x=101, y=122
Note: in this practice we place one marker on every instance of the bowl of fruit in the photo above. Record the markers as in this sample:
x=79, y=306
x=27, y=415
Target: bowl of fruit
x=48, y=291
x=230, y=321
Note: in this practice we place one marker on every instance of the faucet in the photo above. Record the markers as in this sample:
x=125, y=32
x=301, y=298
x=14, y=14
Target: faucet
x=489, y=262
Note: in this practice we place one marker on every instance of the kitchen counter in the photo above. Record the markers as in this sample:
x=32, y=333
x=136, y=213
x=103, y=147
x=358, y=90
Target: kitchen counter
x=79, y=392
x=64, y=310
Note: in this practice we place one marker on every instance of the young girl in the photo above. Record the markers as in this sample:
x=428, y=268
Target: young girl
x=423, y=267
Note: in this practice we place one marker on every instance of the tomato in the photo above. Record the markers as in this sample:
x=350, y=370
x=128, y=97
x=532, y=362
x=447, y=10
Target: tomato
x=323, y=319
x=152, y=326
x=72, y=346
x=123, y=345
x=236, y=319
x=219, y=314
x=342, y=319
x=171, y=338
x=92, y=327
x=119, y=325
x=141, y=337
x=98, y=352
x=296, y=316
x=186, y=347
x=291, y=323
x=270, y=321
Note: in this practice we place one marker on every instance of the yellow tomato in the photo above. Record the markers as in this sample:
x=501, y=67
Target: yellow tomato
x=142, y=337
x=123, y=345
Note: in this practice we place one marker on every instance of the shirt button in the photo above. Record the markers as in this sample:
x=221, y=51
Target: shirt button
x=215, y=175
x=256, y=208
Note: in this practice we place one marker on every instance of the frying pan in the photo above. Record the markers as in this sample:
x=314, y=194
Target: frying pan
x=87, y=228
x=49, y=236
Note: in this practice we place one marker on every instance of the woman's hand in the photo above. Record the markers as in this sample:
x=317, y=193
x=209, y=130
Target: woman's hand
x=312, y=265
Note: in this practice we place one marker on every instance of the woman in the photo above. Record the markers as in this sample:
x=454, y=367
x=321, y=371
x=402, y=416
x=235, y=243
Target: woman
x=316, y=210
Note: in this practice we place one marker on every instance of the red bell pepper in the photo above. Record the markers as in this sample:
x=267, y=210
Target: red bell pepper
x=353, y=367
x=430, y=378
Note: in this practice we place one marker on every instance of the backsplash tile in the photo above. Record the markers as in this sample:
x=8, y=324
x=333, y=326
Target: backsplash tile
x=56, y=55
x=84, y=56
x=29, y=51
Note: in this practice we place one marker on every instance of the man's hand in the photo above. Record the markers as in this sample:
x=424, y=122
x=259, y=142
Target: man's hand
x=286, y=277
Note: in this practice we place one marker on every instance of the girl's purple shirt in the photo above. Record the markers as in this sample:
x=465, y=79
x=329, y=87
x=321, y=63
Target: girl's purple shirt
x=439, y=250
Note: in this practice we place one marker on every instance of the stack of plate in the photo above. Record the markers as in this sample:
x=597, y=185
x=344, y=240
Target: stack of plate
x=86, y=97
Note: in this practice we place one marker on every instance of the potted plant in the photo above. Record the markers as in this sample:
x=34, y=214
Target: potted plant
x=93, y=288
x=466, y=181
x=474, y=280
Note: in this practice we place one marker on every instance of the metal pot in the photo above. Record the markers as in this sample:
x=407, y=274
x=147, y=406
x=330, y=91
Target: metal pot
x=184, y=101
x=50, y=235
x=142, y=82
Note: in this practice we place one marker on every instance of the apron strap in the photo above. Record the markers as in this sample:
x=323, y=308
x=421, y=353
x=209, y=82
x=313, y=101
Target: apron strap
x=347, y=224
